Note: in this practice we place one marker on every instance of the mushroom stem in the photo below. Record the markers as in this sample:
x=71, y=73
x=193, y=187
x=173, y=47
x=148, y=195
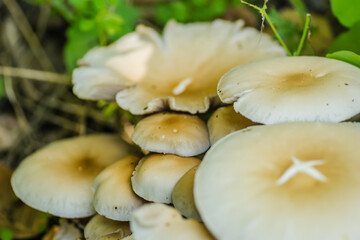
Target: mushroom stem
x=304, y=167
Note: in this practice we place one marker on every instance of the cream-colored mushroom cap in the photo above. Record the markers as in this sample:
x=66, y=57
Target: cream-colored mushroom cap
x=160, y=222
x=286, y=181
x=175, y=133
x=225, y=120
x=114, y=197
x=187, y=62
x=58, y=178
x=156, y=175
x=101, y=228
x=291, y=89
x=183, y=195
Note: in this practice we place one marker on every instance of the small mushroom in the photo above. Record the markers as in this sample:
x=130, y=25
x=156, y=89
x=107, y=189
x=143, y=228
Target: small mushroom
x=156, y=175
x=57, y=178
x=174, y=133
x=183, y=195
x=101, y=228
x=284, y=181
x=225, y=120
x=114, y=197
x=288, y=89
x=159, y=222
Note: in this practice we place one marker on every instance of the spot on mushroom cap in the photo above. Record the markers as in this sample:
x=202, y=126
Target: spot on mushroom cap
x=248, y=184
x=113, y=195
x=174, y=133
x=156, y=175
x=288, y=89
x=57, y=178
x=159, y=222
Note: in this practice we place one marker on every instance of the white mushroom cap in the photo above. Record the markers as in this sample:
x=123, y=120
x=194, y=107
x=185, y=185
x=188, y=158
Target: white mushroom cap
x=101, y=228
x=114, y=197
x=183, y=195
x=104, y=70
x=156, y=175
x=187, y=62
x=293, y=89
x=287, y=181
x=58, y=178
x=159, y=222
x=175, y=133
x=225, y=120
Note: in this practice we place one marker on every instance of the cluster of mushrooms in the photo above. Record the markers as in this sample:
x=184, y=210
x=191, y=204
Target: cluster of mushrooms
x=280, y=165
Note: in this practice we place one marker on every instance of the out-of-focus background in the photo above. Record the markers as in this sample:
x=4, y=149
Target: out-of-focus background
x=42, y=40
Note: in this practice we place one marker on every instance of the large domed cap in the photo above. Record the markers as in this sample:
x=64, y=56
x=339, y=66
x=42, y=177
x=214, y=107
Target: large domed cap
x=292, y=89
x=183, y=195
x=58, y=178
x=101, y=228
x=288, y=181
x=159, y=222
x=156, y=175
x=114, y=197
x=225, y=120
x=174, y=133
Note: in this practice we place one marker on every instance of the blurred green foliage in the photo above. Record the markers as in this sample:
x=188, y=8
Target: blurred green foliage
x=92, y=23
x=347, y=11
x=191, y=10
x=2, y=87
x=6, y=234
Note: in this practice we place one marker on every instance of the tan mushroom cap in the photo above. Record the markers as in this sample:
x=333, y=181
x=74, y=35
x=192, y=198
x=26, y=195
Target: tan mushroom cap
x=287, y=181
x=183, y=195
x=156, y=175
x=160, y=222
x=101, y=228
x=225, y=120
x=293, y=89
x=58, y=178
x=174, y=133
x=114, y=197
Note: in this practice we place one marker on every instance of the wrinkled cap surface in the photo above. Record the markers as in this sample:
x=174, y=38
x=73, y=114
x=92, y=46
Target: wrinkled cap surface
x=101, y=228
x=57, y=178
x=285, y=181
x=187, y=62
x=172, y=133
x=160, y=222
x=289, y=89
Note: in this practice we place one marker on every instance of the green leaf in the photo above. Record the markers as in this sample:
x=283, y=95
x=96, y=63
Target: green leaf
x=346, y=56
x=6, y=234
x=349, y=40
x=347, y=11
x=78, y=43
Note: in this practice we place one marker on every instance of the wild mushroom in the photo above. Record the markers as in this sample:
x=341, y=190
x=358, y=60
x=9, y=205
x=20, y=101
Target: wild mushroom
x=114, y=197
x=159, y=222
x=293, y=89
x=104, y=70
x=286, y=181
x=187, y=62
x=101, y=228
x=225, y=120
x=183, y=195
x=57, y=178
x=156, y=175
x=174, y=133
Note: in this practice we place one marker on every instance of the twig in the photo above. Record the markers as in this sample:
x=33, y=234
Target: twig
x=29, y=35
x=35, y=75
